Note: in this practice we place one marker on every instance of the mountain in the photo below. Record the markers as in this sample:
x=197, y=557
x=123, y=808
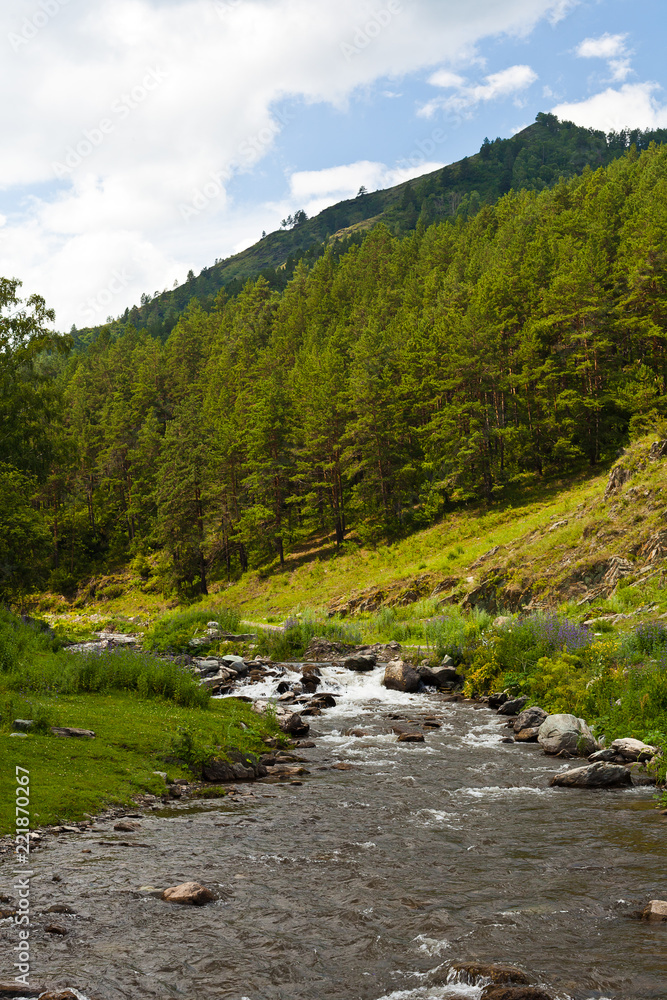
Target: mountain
x=533, y=159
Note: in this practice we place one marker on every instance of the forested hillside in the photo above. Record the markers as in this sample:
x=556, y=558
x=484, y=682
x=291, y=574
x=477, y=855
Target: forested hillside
x=380, y=389
x=534, y=159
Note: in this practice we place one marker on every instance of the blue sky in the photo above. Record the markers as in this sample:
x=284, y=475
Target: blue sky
x=147, y=137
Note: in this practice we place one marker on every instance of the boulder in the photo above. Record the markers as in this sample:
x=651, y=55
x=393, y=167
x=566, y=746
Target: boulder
x=640, y=774
x=82, y=734
x=14, y=989
x=514, y=993
x=472, y=972
x=23, y=725
x=658, y=450
x=529, y=718
x=398, y=676
x=235, y=663
x=427, y=675
x=618, y=477
x=294, y=725
x=605, y=755
x=56, y=929
x=411, y=738
x=360, y=663
x=188, y=894
x=447, y=661
x=632, y=750
x=528, y=735
x=566, y=735
x=127, y=827
x=600, y=775
x=64, y=995
x=512, y=706
x=497, y=699
x=236, y=767
x=359, y=733
x=656, y=910
x=448, y=677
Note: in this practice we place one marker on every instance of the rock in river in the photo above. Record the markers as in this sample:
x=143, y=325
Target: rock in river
x=360, y=663
x=633, y=750
x=514, y=993
x=188, y=894
x=656, y=910
x=400, y=677
x=512, y=706
x=529, y=718
x=567, y=735
x=237, y=767
x=598, y=775
x=472, y=972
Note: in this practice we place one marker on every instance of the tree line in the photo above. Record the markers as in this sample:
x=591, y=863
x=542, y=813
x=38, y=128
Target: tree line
x=381, y=387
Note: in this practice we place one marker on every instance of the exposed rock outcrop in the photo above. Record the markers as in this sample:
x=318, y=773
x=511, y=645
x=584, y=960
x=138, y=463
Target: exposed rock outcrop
x=600, y=775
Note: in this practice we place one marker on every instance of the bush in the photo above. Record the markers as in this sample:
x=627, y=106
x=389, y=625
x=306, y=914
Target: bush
x=19, y=638
x=172, y=634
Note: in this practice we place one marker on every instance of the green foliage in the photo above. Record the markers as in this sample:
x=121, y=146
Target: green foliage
x=290, y=642
x=172, y=634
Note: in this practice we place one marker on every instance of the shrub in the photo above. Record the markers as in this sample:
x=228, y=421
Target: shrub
x=291, y=641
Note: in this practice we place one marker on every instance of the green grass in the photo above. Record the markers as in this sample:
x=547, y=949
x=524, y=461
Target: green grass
x=172, y=633
x=72, y=777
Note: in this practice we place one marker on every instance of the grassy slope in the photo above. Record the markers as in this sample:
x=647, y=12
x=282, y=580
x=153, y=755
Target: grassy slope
x=532, y=554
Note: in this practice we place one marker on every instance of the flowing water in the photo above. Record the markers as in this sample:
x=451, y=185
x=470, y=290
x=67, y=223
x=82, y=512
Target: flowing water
x=367, y=883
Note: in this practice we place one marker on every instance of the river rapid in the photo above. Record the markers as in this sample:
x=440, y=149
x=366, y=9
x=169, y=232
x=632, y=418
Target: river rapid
x=365, y=883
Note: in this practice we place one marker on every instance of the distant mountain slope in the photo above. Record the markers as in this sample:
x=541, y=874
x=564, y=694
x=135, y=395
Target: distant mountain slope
x=535, y=158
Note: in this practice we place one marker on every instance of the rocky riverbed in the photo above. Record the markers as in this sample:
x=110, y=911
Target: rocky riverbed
x=412, y=844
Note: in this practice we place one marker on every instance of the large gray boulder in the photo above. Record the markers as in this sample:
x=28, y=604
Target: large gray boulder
x=632, y=750
x=598, y=775
x=398, y=676
x=448, y=677
x=566, y=735
x=360, y=662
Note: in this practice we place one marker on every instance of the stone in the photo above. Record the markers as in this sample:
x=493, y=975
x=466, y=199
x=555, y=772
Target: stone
x=640, y=774
x=632, y=750
x=514, y=993
x=342, y=766
x=161, y=774
x=658, y=450
x=497, y=699
x=60, y=908
x=236, y=767
x=513, y=706
x=14, y=989
x=236, y=664
x=82, y=734
x=357, y=732
x=398, y=676
x=23, y=725
x=64, y=995
x=529, y=718
x=567, y=735
x=56, y=929
x=294, y=724
x=447, y=661
x=324, y=701
x=618, y=477
x=528, y=735
x=607, y=755
x=127, y=827
x=428, y=676
x=448, y=677
x=600, y=775
x=360, y=663
x=411, y=738
x=502, y=621
x=472, y=972
x=656, y=910
x=188, y=894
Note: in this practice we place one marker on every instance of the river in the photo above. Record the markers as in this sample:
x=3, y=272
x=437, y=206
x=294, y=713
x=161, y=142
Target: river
x=366, y=883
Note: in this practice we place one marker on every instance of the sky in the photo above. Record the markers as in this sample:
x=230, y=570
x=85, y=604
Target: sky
x=144, y=138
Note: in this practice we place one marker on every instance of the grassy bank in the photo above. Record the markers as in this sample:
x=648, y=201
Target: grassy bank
x=147, y=715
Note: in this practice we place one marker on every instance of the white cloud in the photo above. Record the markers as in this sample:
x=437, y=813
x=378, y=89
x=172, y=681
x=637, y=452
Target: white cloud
x=631, y=106
x=505, y=83
x=148, y=197
x=605, y=47
x=613, y=48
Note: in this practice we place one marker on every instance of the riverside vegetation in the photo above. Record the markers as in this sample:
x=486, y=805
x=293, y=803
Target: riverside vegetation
x=410, y=439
